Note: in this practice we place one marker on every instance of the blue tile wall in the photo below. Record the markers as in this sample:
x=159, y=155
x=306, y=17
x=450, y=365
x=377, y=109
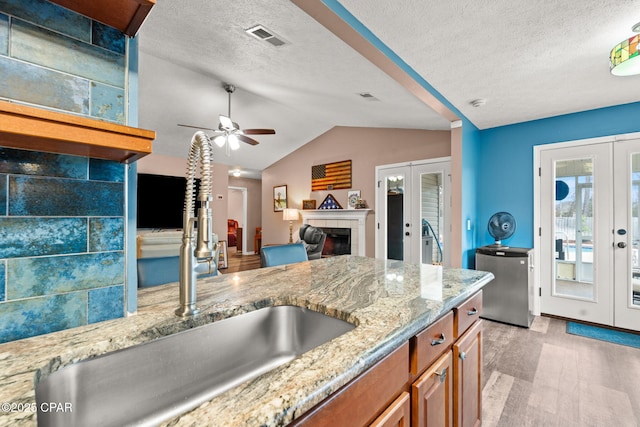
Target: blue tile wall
x=3, y=194
x=62, y=218
x=108, y=38
x=22, y=237
x=30, y=277
x=37, y=316
x=68, y=197
x=4, y=34
x=106, y=234
x=3, y=281
x=24, y=82
x=62, y=233
x=43, y=164
x=49, y=15
x=104, y=170
x=52, y=57
x=52, y=50
x=106, y=303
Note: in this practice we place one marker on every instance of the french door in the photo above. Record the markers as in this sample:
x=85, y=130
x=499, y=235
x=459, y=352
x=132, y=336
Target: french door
x=589, y=231
x=412, y=212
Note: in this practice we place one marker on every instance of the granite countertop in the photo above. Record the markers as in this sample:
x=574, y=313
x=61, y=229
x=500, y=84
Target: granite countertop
x=389, y=301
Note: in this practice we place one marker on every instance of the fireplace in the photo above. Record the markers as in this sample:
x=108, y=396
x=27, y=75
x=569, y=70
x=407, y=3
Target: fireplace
x=338, y=241
x=352, y=219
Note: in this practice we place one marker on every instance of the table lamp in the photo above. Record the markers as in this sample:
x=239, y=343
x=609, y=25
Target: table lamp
x=290, y=215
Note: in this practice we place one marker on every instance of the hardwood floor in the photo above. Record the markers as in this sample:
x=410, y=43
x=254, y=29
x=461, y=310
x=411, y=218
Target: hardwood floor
x=240, y=262
x=543, y=376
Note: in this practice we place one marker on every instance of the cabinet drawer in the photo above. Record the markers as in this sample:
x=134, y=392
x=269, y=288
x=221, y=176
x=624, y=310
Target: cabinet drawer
x=427, y=345
x=467, y=313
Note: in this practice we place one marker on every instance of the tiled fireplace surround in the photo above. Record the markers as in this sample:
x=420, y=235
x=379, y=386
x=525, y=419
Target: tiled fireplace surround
x=355, y=219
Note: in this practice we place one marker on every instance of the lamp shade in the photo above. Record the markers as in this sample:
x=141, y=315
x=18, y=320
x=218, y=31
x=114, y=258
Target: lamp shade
x=625, y=58
x=290, y=214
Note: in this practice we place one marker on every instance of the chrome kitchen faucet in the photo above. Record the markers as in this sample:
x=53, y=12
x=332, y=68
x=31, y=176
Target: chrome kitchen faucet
x=200, y=257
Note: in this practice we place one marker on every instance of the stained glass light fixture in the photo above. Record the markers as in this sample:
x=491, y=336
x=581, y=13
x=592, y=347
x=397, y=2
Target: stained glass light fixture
x=625, y=58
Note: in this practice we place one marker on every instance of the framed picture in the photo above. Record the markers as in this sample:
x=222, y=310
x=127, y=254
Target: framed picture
x=308, y=204
x=352, y=198
x=223, y=261
x=279, y=198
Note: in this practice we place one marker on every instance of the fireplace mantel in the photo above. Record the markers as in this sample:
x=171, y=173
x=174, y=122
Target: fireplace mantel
x=349, y=218
x=358, y=214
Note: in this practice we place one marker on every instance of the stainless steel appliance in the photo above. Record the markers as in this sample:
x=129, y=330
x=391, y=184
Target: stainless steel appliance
x=509, y=297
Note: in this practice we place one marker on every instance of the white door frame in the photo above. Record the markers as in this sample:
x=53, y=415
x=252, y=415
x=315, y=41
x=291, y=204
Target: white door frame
x=244, y=217
x=537, y=198
x=380, y=245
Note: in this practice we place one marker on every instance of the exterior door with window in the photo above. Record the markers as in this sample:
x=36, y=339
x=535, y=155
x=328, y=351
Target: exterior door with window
x=589, y=234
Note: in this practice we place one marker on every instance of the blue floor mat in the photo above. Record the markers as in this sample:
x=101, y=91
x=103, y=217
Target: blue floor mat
x=603, y=334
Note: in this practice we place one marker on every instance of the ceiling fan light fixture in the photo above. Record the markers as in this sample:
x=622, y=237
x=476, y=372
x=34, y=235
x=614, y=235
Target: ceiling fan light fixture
x=233, y=142
x=220, y=140
x=624, y=59
x=226, y=122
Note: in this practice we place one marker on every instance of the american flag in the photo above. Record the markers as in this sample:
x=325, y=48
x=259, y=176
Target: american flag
x=332, y=176
x=330, y=203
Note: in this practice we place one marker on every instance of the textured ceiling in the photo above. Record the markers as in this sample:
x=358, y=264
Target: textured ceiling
x=529, y=60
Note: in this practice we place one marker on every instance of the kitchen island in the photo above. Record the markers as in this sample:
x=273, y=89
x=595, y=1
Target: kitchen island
x=388, y=301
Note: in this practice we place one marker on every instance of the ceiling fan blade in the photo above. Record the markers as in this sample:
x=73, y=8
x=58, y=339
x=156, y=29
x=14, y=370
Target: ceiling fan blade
x=258, y=131
x=197, y=127
x=248, y=140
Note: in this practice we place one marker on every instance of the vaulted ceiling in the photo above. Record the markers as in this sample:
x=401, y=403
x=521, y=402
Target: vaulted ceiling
x=528, y=60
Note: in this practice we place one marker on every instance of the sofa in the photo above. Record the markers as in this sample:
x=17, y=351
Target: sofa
x=158, y=257
x=313, y=239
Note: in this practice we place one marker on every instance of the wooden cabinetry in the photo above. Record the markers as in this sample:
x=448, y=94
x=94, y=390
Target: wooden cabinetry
x=434, y=380
x=367, y=397
x=449, y=391
x=432, y=395
x=398, y=414
x=467, y=376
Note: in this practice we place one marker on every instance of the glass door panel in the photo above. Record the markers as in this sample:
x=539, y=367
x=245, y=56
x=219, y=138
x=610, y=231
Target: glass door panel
x=395, y=187
x=573, y=213
x=626, y=242
x=576, y=222
x=431, y=218
x=634, y=200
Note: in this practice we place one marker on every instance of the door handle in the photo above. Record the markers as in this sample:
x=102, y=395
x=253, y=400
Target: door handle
x=622, y=245
x=407, y=234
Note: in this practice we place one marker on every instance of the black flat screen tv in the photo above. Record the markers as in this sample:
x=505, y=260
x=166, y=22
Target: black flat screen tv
x=160, y=201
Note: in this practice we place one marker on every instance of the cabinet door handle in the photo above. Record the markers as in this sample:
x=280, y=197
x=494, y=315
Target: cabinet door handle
x=439, y=341
x=442, y=374
x=463, y=355
x=472, y=311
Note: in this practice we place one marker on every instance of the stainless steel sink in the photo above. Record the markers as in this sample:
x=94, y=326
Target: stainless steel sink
x=152, y=382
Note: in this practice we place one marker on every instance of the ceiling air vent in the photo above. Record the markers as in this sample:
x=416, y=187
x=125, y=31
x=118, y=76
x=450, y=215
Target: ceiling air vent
x=368, y=96
x=261, y=33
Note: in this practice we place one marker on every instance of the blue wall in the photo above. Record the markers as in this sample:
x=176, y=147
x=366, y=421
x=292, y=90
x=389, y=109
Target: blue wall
x=63, y=219
x=504, y=170
x=470, y=146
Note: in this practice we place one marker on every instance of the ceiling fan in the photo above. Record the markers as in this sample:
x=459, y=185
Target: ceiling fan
x=228, y=132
